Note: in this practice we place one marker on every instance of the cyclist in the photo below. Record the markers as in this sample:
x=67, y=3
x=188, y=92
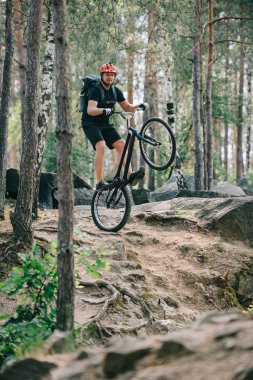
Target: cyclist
x=97, y=127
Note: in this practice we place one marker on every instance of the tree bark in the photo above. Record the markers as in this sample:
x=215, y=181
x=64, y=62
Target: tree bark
x=130, y=81
x=198, y=169
x=5, y=99
x=226, y=121
x=239, y=158
x=150, y=86
x=22, y=217
x=21, y=53
x=46, y=103
x=249, y=115
x=209, y=124
x=65, y=259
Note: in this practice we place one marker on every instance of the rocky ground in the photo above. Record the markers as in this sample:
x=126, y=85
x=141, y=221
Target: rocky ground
x=172, y=262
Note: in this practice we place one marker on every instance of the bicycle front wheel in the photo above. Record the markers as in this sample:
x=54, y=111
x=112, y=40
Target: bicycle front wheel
x=159, y=149
x=110, y=208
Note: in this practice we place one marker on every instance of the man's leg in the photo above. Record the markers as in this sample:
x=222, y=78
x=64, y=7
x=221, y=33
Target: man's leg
x=119, y=146
x=99, y=160
x=133, y=177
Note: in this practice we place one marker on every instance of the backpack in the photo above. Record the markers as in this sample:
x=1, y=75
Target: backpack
x=89, y=82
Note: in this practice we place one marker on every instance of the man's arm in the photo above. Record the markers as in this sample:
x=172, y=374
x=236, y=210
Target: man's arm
x=127, y=107
x=93, y=110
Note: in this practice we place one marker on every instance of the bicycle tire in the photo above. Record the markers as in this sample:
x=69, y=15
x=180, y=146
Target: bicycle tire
x=114, y=217
x=158, y=157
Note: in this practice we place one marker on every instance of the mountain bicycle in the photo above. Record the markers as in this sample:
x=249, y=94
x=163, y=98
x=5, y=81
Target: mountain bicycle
x=111, y=207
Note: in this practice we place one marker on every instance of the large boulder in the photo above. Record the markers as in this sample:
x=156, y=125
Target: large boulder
x=171, y=194
x=230, y=217
x=79, y=182
x=141, y=196
x=244, y=185
x=12, y=183
x=218, y=346
x=230, y=189
x=48, y=183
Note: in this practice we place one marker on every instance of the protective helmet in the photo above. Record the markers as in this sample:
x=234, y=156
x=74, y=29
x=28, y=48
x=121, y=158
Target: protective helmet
x=108, y=68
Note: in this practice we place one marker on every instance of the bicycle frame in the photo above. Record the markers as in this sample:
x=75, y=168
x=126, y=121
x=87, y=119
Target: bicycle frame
x=128, y=148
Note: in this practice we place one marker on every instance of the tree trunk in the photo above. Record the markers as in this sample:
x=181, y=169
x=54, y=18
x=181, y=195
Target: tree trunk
x=198, y=169
x=150, y=89
x=239, y=158
x=65, y=259
x=21, y=53
x=130, y=81
x=209, y=125
x=249, y=116
x=226, y=106
x=5, y=99
x=46, y=103
x=22, y=217
x=1, y=53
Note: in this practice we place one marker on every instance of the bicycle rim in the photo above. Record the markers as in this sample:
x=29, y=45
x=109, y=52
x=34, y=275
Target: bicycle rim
x=162, y=155
x=111, y=209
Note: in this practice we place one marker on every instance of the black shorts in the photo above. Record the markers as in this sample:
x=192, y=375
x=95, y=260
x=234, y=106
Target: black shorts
x=97, y=133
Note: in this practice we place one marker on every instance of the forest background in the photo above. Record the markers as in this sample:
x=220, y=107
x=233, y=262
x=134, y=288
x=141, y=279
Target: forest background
x=165, y=50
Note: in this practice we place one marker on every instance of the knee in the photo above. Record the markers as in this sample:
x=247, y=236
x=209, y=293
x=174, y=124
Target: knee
x=100, y=147
x=119, y=145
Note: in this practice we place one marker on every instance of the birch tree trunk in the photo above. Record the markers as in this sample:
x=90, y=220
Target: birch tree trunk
x=209, y=123
x=46, y=103
x=198, y=169
x=249, y=115
x=239, y=158
x=5, y=99
x=22, y=217
x=65, y=259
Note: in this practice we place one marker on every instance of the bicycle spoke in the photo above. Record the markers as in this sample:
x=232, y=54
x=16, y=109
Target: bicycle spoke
x=160, y=152
x=111, y=208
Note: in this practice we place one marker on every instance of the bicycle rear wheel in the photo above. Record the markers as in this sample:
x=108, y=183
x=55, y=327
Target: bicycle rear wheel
x=160, y=153
x=111, y=208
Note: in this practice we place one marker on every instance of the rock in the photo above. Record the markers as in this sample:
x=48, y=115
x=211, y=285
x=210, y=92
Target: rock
x=220, y=347
x=230, y=189
x=244, y=185
x=171, y=194
x=124, y=359
x=80, y=182
x=12, y=183
x=28, y=369
x=141, y=196
x=83, y=196
x=229, y=217
x=48, y=183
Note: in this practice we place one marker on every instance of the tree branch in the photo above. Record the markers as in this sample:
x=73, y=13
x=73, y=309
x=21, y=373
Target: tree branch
x=236, y=41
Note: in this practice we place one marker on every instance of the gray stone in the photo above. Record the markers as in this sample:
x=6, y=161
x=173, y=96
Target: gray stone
x=12, y=183
x=230, y=189
x=141, y=196
x=124, y=359
x=244, y=185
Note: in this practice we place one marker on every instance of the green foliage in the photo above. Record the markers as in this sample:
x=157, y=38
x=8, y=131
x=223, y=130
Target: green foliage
x=34, y=283
x=94, y=263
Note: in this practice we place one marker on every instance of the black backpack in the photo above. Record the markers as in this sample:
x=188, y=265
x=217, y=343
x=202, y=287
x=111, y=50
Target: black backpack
x=89, y=82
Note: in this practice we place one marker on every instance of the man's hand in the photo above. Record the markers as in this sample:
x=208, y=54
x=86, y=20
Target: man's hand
x=107, y=111
x=144, y=106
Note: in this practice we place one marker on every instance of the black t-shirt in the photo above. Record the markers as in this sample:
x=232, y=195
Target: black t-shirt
x=107, y=101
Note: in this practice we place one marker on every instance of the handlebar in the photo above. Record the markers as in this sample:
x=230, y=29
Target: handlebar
x=126, y=115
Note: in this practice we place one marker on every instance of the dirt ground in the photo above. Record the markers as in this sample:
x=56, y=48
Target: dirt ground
x=161, y=277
